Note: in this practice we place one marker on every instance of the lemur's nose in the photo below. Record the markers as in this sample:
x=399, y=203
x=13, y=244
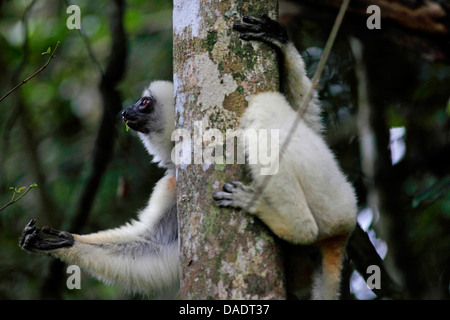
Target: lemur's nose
x=124, y=114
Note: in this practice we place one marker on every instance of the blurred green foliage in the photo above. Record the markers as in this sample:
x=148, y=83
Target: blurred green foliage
x=61, y=107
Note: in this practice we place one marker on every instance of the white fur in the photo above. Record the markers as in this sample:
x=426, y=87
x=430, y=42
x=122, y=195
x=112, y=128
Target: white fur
x=309, y=189
x=128, y=256
x=297, y=84
x=308, y=201
x=160, y=145
x=108, y=255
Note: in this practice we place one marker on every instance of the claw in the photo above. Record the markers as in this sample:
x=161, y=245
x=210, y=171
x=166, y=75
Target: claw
x=29, y=233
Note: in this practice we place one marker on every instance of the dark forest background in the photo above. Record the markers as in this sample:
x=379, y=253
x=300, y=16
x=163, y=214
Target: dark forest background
x=62, y=129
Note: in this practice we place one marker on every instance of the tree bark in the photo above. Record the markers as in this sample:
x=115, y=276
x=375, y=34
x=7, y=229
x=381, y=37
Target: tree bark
x=224, y=254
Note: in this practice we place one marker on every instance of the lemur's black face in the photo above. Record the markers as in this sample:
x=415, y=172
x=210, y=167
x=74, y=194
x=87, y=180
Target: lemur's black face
x=138, y=116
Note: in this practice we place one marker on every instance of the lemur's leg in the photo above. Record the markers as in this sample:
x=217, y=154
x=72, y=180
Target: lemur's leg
x=295, y=81
x=289, y=218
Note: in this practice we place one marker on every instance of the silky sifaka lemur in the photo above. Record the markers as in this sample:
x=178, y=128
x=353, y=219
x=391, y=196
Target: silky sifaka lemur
x=141, y=256
x=308, y=201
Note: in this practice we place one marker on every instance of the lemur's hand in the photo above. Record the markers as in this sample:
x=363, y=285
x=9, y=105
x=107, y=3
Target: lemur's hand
x=32, y=241
x=264, y=29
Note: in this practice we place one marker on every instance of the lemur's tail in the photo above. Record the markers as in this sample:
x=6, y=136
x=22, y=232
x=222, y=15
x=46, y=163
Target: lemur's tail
x=327, y=281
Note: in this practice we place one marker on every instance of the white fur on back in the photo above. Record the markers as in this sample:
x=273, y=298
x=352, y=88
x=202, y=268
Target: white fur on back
x=307, y=162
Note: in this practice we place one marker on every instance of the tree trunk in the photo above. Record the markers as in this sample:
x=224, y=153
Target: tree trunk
x=224, y=254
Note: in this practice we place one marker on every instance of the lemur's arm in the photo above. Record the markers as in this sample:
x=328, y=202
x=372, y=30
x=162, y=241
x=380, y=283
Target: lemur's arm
x=295, y=81
x=141, y=256
x=138, y=256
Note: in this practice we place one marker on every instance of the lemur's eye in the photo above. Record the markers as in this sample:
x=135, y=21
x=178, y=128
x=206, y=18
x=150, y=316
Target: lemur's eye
x=144, y=102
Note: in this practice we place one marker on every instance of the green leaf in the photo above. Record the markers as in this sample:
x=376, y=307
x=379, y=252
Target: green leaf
x=20, y=189
x=49, y=50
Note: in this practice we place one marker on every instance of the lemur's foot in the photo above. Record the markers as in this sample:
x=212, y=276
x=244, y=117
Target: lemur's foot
x=264, y=29
x=32, y=241
x=235, y=195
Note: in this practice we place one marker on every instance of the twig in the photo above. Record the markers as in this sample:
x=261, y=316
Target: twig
x=52, y=55
x=17, y=191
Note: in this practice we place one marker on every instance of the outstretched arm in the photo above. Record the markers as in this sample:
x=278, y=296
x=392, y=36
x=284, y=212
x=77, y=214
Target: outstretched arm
x=125, y=256
x=141, y=256
x=295, y=81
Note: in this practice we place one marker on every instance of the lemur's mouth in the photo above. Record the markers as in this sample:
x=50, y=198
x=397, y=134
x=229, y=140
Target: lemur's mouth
x=135, y=120
x=136, y=124
x=129, y=122
x=133, y=124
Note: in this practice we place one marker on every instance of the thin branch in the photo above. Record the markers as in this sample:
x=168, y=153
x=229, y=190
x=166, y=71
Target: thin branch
x=16, y=192
x=52, y=55
x=19, y=113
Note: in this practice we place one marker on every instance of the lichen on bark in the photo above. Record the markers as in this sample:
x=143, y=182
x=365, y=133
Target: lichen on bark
x=224, y=254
